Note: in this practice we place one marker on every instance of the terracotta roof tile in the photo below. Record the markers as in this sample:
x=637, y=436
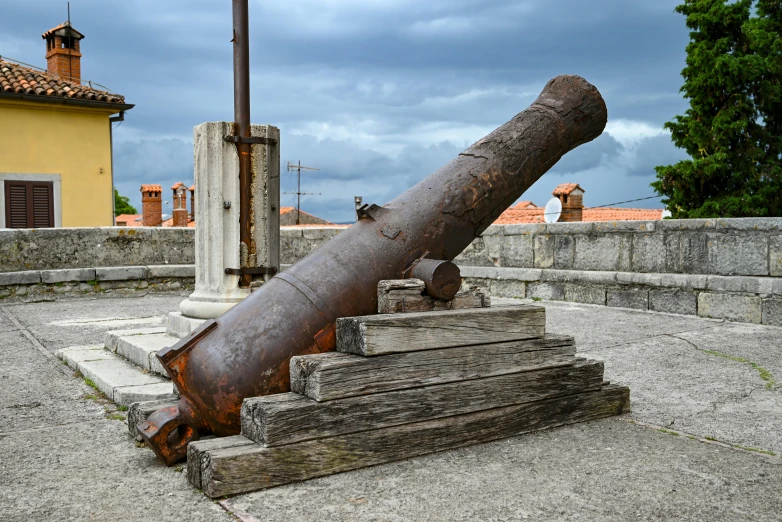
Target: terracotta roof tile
x=192, y=188
x=151, y=188
x=525, y=204
x=177, y=185
x=566, y=189
x=285, y=210
x=170, y=222
x=17, y=79
x=128, y=220
x=622, y=214
x=516, y=216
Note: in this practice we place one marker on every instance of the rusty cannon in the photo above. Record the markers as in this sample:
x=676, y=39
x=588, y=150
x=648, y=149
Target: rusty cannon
x=246, y=351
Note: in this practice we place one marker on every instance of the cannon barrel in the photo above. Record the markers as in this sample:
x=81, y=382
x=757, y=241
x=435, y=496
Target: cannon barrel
x=246, y=351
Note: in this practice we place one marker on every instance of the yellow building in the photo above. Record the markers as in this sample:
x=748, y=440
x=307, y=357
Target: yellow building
x=55, y=141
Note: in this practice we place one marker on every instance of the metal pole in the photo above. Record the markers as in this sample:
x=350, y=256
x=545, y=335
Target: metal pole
x=298, y=196
x=241, y=43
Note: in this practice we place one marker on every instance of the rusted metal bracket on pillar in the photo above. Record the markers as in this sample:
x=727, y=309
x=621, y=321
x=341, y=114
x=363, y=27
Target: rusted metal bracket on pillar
x=253, y=140
x=251, y=270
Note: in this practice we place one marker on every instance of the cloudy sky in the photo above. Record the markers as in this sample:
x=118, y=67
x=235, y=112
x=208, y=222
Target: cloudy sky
x=376, y=93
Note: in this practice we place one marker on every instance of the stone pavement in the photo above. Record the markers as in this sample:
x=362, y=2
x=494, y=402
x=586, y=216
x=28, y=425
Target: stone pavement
x=707, y=415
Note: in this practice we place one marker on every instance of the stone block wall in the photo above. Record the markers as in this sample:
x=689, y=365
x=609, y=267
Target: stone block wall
x=722, y=268
x=747, y=247
x=59, y=248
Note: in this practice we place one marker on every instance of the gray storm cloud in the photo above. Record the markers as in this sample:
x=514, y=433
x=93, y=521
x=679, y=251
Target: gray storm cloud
x=376, y=94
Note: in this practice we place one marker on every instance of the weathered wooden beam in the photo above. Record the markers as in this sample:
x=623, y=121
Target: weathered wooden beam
x=198, y=454
x=249, y=467
x=287, y=418
x=395, y=333
x=399, y=296
x=139, y=411
x=333, y=375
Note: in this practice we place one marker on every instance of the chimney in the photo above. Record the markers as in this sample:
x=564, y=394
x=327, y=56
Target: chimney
x=151, y=205
x=180, y=216
x=192, y=202
x=357, y=200
x=63, y=56
x=572, y=197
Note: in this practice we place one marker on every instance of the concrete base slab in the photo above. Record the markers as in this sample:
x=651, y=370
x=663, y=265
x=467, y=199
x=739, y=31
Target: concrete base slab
x=121, y=381
x=180, y=325
x=192, y=307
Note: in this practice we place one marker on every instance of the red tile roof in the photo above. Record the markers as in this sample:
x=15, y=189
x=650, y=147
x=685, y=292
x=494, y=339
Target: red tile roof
x=128, y=220
x=517, y=216
x=18, y=79
x=151, y=188
x=525, y=204
x=177, y=185
x=170, y=222
x=622, y=214
x=566, y=189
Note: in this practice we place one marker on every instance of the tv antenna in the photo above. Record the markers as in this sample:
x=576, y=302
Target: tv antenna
x=299, y=167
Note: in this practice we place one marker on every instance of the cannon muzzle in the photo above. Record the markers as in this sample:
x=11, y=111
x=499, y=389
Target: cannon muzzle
x=246, y=351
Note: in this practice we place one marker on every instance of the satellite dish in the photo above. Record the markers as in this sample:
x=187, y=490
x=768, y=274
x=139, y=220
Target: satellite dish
x=553, y=210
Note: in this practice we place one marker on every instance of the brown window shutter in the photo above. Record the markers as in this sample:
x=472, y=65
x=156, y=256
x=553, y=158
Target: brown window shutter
x=43, y=203
x=29, y=204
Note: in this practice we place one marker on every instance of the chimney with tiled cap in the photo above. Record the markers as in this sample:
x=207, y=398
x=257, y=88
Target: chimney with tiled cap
x=572, y=197
x=192, y=202
x=151, y=205
x=180, y=205
x=63, y=56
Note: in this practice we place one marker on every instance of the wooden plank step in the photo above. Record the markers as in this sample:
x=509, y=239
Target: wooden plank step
x=334, y=375
x=198, y=454
x=287, y=418
x=395, y=333
x=241, y=468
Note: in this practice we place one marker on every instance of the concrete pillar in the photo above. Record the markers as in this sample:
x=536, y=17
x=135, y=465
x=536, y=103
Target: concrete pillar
x=217, y=216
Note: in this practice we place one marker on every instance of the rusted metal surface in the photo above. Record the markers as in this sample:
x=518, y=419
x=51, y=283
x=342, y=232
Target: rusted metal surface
x=241, y=41
x=442, y=278
x=246, y=351
x=168, y=434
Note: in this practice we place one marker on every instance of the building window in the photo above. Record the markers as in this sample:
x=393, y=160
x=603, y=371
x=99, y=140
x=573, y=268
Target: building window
x=29, y=204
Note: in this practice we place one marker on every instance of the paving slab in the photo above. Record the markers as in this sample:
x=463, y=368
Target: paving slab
x=117, y=378
x=603, y=470
x=93, y=471
x=677, y=386
x=607, y=326
x=140, y=349
x=63, y=460
x=34, y=392
x=37, y=317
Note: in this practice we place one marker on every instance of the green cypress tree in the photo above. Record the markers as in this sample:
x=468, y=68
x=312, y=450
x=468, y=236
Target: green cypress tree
x=731, y=129
x=122, y=205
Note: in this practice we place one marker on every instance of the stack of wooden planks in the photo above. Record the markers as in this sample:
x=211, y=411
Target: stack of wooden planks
x=405, y=385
